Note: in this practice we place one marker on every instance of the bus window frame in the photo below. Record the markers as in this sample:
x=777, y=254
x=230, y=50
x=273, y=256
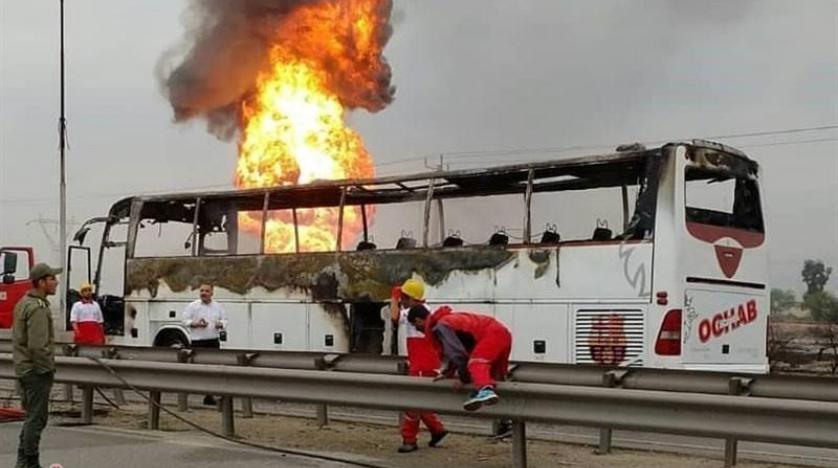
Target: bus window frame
x=526, y=180
x=135, y=218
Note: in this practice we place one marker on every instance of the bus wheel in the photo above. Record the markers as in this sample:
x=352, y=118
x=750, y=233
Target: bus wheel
x=171, y=339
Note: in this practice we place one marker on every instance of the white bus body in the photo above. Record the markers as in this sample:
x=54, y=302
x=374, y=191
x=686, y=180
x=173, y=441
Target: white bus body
x=683, y=285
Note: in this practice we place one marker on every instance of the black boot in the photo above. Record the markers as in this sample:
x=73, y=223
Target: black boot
x=407, y=448
x=437, y=438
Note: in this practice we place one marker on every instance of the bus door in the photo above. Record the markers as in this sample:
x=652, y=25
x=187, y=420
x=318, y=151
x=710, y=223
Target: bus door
x=78, y=272
x=108, y=275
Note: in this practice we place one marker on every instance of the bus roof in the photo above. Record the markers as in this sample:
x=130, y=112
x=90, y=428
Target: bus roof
x=578, y=173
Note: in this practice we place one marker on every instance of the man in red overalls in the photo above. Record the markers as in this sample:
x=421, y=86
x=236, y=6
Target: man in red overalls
x=474, y=346
x=422, y=360
x=86, y=319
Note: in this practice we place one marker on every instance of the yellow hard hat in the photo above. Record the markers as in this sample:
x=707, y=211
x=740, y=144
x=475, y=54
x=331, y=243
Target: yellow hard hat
x=414, y=289
x=85, y=285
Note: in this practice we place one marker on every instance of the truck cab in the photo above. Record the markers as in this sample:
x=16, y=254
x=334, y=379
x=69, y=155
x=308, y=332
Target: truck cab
x=15, y=263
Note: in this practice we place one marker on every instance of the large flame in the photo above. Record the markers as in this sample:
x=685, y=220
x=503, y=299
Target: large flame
x=326, y=59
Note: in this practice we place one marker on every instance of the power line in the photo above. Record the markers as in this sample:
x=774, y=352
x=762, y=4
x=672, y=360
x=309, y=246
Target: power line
x=753, y=145
x=783, y=143
x=124, y=193
x=489, y=154
x=777, y=132
x=560, y=149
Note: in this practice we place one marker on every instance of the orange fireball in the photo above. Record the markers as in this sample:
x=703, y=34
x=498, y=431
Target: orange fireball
x=325, y=60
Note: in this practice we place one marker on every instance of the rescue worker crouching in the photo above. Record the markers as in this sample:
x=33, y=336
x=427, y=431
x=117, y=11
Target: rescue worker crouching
x=422, y=360
x=475, y=347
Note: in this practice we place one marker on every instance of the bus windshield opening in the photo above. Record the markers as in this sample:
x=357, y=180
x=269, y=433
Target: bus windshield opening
x=720, y=199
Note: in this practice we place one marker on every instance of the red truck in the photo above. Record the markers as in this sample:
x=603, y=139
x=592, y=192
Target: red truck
x=15, y=263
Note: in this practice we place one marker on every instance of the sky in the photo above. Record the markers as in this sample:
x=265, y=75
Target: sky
x=477, y=81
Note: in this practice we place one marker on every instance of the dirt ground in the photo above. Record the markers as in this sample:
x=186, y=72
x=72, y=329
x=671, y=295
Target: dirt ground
x=378, y=444
x=803, y=348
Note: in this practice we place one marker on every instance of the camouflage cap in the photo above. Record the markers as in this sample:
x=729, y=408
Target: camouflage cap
x=42, y=270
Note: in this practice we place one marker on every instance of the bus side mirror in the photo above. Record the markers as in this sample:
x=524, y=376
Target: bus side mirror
x=9, y=264
x=8, y=279
x=80, y=235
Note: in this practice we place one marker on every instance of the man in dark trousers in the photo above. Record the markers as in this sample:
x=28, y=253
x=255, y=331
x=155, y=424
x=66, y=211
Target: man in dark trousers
x=206, y=320
x=33, y=342
x=454, y=334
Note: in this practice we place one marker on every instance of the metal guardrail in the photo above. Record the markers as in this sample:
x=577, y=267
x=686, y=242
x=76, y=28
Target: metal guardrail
x=711, y=383
x=640, y=378
x=773, y=420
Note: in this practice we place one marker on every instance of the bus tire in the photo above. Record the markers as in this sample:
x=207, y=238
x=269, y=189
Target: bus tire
x=171, y=339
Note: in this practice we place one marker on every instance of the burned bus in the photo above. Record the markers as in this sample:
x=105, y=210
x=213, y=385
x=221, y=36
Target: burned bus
x=641, y=257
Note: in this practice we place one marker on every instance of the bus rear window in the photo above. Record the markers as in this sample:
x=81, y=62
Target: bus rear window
x=724, y=200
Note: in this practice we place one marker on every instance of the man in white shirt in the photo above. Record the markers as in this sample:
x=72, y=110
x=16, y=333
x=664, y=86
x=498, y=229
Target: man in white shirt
x=86, y=318
x=205, y=319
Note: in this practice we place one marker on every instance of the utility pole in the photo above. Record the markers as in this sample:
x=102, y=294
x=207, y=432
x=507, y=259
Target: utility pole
x=440, y=210
x=62, y=145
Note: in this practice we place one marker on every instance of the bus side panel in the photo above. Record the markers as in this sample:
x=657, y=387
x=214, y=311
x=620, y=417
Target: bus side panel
x=160, y=315
x=237, y=334
x=140, y=323
x=136, y=321
x=279, y=326
x=328, y=328
x=593, y=271
x=725, y=327
x=541, y=331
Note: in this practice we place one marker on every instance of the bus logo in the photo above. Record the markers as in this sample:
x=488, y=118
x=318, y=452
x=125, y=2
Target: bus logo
x=727, y=321
x=608, y=339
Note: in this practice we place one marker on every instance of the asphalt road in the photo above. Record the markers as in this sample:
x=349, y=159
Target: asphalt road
x=102, y=447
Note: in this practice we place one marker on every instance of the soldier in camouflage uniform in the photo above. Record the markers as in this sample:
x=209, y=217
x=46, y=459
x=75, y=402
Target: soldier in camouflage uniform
x=33, y=340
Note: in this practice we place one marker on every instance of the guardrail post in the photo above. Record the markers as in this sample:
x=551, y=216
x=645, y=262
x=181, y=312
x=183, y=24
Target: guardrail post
x=70, y=350
x=247, y=408
x=609, y=380
x=87, y=405
x=112, y=353
x=68, y=393
x=228, y=421
x=154, y=411
x=119, y=397
x=519, y=443
x=182, y=402
x=184, y=356
x=247, y=402
x=322, y=409
x=736, y=386
x=322, y=415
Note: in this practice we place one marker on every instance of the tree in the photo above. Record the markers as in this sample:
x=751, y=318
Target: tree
x=823, y=306
x=782, y=300
x=815, y=275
